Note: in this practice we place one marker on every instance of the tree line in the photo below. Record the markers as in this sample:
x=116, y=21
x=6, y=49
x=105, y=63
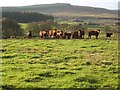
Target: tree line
x=26, y=17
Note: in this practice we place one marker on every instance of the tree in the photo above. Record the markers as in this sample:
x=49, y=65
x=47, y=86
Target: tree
x=63, y=27
x=10, y=28
x=76, y=27
x=35, y=27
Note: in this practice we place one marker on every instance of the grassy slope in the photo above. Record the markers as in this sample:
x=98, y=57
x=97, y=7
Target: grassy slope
x=60, y=63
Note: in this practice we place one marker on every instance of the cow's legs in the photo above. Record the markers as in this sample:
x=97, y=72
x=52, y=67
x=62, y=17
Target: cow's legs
x=89, y=36
x=96, y=36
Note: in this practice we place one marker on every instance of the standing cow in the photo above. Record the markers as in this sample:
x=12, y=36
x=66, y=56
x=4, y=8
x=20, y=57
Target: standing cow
x=93, y=32
x=68, y=35
x=44, y=34
x=108, y=34
x=81, y=34
x=30, y=34
x=53, y=33
x=75, y=35
x=59, y=34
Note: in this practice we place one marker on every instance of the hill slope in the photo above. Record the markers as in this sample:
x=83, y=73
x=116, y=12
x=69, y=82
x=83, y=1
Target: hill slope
x=65, y=10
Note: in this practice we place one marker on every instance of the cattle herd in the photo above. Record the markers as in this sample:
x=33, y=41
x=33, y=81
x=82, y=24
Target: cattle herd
x=59, y=34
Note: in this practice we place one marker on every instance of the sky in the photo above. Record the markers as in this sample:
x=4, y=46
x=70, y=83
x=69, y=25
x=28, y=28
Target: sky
x=108, y=4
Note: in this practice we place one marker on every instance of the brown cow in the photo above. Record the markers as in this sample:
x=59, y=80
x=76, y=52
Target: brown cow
x=56, y=33
x=52, y=33
x=93, y=32
x=44, y=34
x=59, y=33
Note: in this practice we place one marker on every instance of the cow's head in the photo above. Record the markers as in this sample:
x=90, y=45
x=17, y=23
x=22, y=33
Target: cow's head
x=99, y=30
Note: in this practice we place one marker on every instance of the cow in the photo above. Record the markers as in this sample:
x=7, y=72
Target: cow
x=93, y=32
x=52, y=33
x=81, y=34
x=108, y=34
x=68, y=35
x=47, y=36
x=30, y=34
x=76, y=35
x=44, y=34
x=55, y=33
x=59, y=34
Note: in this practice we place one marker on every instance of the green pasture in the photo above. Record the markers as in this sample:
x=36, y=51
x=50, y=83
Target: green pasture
x=35, y=63
x=69, y=22
x=23, y=25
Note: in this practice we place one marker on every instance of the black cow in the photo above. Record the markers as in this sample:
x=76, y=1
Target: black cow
x=108, y=35
x=82, y=33
x=68, y=35
x=30, y=34
x=75, y=35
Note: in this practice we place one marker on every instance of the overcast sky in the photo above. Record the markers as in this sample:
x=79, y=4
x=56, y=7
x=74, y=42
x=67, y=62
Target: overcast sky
x=109, y=4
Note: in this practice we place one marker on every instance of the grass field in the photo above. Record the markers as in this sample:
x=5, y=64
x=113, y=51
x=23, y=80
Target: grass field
x=34, y=63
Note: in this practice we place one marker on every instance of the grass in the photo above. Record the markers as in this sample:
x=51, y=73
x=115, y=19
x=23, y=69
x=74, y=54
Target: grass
x=34, y=63
x=23, y=25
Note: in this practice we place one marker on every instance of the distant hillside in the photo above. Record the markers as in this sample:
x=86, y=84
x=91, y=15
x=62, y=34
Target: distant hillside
x=65, y=10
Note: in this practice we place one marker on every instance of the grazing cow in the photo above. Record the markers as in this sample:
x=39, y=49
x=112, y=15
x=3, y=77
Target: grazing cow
x=93, y=32
x=109, y=34
x=82, y=33
x=68, y=35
